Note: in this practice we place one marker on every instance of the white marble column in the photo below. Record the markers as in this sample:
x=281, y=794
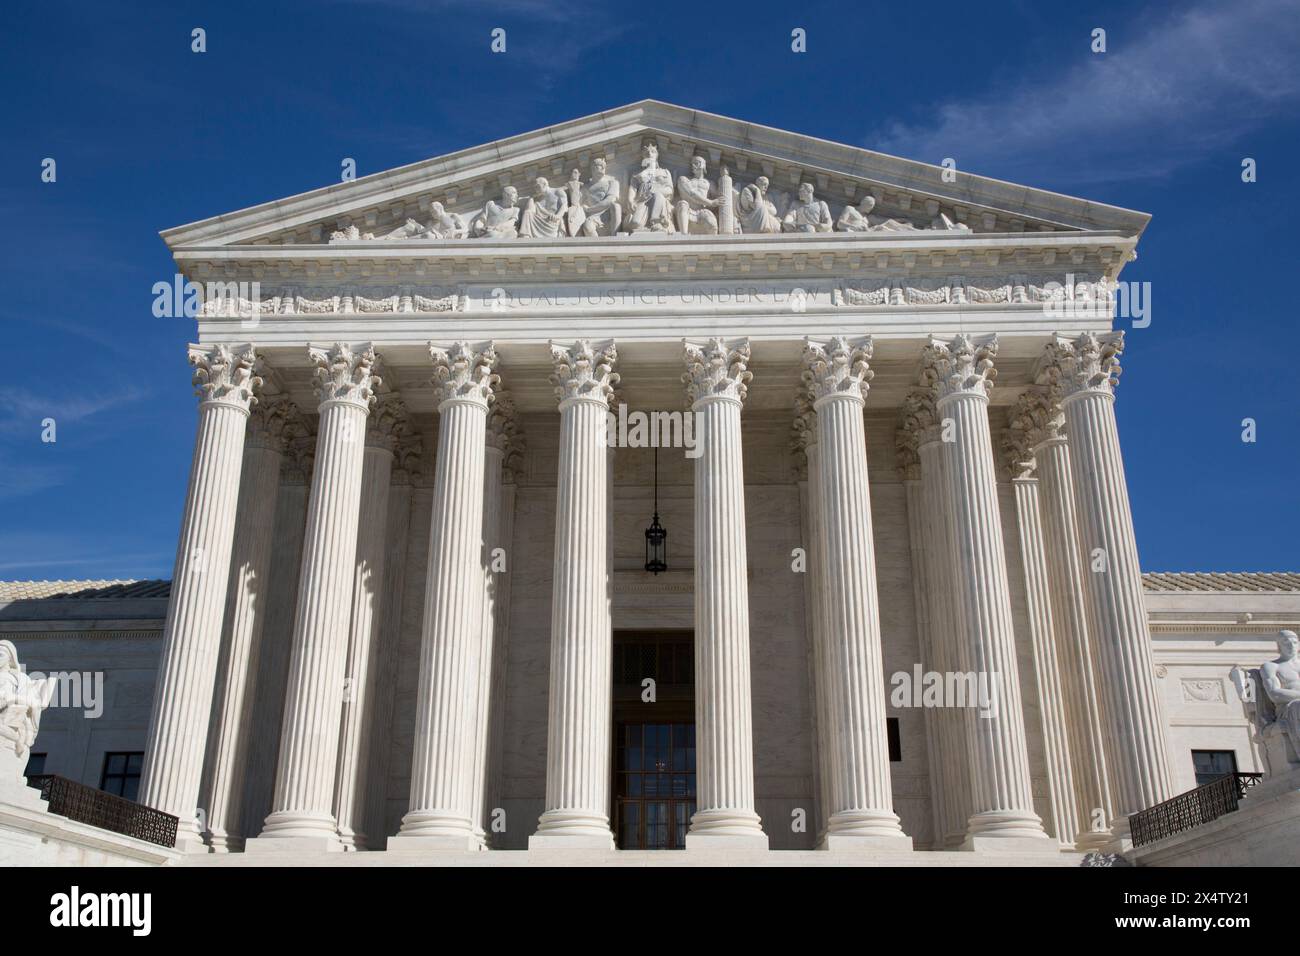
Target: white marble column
x=440, y=814
x=225, y=378
x=1043, y=421
x=351, y=779
x=1042, y=629
x=302, y=813
x=1083, y=372
x=581, y=691
x=501, y=429
x=1003, y=815
x=861, y=798
x=806, y=447
x=250, y=568
x=406, y=472
x=494, y=794
x=716, y=380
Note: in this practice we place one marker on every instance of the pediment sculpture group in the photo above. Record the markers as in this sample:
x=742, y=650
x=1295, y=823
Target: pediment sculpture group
x=653, y=203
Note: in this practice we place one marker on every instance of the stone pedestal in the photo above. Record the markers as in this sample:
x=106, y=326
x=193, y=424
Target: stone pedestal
x=578, y=730
x=440, y=814
x=302, y=814
x=182, y=699
x=716, y=379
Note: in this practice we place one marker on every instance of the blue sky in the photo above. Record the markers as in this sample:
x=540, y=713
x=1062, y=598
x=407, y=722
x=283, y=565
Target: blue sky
x=148, y=135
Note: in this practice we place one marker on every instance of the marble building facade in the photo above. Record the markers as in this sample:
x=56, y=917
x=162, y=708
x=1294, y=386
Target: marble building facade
x=410, y=591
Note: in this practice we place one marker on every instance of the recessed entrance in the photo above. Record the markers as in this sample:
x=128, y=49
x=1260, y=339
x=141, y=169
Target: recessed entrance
x=654, y=739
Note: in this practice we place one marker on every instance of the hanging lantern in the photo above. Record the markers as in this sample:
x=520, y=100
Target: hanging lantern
x=656, y=538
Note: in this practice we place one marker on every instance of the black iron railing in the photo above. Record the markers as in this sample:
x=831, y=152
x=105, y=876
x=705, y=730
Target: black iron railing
x=1191, y=809
x=76, y=801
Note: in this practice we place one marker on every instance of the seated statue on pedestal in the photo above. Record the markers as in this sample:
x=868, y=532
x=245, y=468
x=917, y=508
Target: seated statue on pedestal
x=754, y=211
x=808, y=214
x=22, y=699
x=1271, y=695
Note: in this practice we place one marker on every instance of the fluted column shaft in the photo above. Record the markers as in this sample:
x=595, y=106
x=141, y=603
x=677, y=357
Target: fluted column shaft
x=491, y=540
x=1134, y=713
x=303, y=809
x=578, y=727
x=1001, y=790
x=1075, y=657
x=1051, y=703
x=367, y=596
x=440, y=813
x=182, y=702
x=853, y=670
x=944, y=637
x=815, y=595
x=717, y=380
x=232, y=716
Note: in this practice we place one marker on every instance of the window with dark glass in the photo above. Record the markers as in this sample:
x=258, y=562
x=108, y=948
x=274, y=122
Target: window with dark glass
x=121, y=774
x=654, y=785
x=1213, y=764
x=895, y=739
x=35, y=765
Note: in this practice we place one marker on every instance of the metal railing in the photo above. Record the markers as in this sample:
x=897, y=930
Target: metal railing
x=1191, y=809
x=76, y=801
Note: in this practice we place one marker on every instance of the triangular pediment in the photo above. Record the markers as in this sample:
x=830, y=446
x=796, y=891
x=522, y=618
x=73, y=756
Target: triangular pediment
x=908, y=194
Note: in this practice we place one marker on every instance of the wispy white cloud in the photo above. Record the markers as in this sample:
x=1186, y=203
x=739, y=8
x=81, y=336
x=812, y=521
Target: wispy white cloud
x=22, y=411
x=1168, y=93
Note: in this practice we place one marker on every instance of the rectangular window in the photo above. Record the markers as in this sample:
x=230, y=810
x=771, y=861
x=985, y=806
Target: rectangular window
x=1213, y=764
x=35, y=764
x=895, y=740
x=121, y=774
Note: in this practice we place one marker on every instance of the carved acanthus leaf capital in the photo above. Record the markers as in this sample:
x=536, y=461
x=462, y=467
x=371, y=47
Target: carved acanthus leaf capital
x=408, y=447
x=837, y=367
x=717, y=370
x=584, y=371
x=1017, y=451
x=463, y=373
x=918, y=424
x=270, y=422
x=1086, y=364
x=1038, y=415
x=962, y=365
x=386, y=421
x=503, y=433
x=226, y=374
x=344, y=374
x=300, y=451
x=803, y=430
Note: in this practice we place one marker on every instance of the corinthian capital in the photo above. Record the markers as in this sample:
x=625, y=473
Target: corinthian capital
x=344, y=375
x=462, y=374
x=837, y=367
x=1037, y=415
x=1087, y=364
x=717, y=370
x=918, y=424
x=803, y=430
x=271, y=422
x=386, y=421
x=226, y=374
x=962, y=365
x=584, y=371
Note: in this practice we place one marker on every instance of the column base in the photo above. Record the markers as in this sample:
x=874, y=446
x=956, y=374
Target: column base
x=980, y=843
x=726, y=841
x=219, y=841
x=848, y=843
x=433, y=843
x=571, y=841
x=293, y=844
x=726, y=830
x=1089, y=840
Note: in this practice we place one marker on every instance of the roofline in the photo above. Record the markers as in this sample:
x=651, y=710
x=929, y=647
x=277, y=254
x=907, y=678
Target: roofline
x=644, y=112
